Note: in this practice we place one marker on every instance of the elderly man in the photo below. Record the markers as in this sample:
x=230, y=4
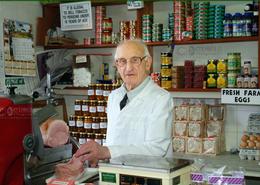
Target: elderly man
x=139, y=112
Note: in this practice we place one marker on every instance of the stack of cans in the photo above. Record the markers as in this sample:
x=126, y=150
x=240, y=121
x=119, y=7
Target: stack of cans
x=201, y=13
x=147, y=23
x=188, y=73
x=179, y=19
x=100, y=13
x=167, y=34
x=215, y=23
x=157, y=32
x=124, y=30
x=132, y=29
x=233, y=67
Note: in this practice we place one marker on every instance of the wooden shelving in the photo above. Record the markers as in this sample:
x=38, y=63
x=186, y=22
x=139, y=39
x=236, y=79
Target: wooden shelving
x=188, y=42
x=194, y=90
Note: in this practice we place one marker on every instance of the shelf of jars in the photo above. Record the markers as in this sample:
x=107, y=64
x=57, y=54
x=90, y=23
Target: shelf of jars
x=184, y=42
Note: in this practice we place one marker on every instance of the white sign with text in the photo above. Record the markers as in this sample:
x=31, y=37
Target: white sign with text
x=240, y=96
x=76, y=16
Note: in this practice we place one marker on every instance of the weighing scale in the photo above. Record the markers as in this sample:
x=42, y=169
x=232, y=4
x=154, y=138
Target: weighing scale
x=145, y=170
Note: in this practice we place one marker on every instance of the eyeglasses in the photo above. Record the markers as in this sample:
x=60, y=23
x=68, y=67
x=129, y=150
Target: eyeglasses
x=136, y=61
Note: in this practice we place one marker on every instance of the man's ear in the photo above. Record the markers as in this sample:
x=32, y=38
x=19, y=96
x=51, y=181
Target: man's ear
x=148, y=64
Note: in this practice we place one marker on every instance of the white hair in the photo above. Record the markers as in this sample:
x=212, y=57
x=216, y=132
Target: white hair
x=137, y=41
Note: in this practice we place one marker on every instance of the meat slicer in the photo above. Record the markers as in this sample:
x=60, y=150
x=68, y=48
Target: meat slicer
x=39, y=161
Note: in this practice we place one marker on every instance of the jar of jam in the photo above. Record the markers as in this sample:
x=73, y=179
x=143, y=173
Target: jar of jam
x=72, y=123
x=105, y=105
x=74, y=135
x=104, y=139
x=88, y=124
x=77, y=107
x=115, y=86
x=106, y=91
x=91, y=92
x=90, y=136
x=82, y=138
x=98, y=138
x=79, y=124
x=99, y=91
x=101, y=108
x=84, y=108
x=95, y=125
x=103, y=125
x=93, y=108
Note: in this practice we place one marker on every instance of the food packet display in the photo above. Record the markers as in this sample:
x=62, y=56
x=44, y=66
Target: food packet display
x=180, y=128
x=194, y=145
x=178, y=144
x=214, y=128
x=181, y=113
x=216, y=112
x=211, y=146
x=195, y=128
x=197, y=113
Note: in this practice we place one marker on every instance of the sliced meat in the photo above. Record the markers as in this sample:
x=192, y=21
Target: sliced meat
x=54, y=132
x=71, y=170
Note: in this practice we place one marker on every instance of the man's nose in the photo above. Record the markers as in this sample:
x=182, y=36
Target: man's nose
x=129, y=65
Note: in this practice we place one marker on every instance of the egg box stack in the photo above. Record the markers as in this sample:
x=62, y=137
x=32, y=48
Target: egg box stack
x=198, y=129
x=250, y=141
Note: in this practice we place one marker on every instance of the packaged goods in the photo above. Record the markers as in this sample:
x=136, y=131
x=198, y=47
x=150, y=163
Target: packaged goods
x=180, y=128
x=195, y=129
x=215, y=112
x=181, y=113
x=210, y=146
x=197, y=112
x=178, y=144
x=214, y=128
x=194, y=145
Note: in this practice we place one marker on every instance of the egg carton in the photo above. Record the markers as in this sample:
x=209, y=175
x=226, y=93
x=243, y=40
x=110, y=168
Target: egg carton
x=253, y=128
x=249, y=154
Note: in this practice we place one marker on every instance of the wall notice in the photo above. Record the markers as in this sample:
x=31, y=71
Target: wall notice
x=240, y=96
x=76, y=16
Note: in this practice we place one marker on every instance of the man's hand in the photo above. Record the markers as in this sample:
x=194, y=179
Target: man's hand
x=92, y=151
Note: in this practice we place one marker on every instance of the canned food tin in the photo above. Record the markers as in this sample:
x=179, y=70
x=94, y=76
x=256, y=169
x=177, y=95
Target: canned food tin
x=232, y=76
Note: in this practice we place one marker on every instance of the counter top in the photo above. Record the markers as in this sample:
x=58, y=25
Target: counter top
x=251, y=167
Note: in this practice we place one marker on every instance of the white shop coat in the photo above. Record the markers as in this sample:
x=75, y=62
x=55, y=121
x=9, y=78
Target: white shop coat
x=143, y=126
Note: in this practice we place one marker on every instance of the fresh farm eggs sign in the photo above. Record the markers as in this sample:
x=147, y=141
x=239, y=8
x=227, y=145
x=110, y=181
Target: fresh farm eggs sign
x=240, y=96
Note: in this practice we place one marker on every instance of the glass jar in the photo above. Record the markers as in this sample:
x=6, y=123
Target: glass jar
x=93, y=108
x=103, y=125
x=90, y=136
x=95, y=125
x=99, y=91
x=72, y=123
x=79, y=124
x=104, y=139
x=101, y=108
x=82, y=138
x=75, y=135
x=106, y=91
x=88, y=124
x=84, y=108
x=91, y=92
x=105, y=104
x=115, y=86
x=77, y=107
x=98, y=138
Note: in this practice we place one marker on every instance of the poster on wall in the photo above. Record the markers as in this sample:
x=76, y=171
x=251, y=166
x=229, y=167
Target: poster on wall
x=76, y=16
x=19, y=56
